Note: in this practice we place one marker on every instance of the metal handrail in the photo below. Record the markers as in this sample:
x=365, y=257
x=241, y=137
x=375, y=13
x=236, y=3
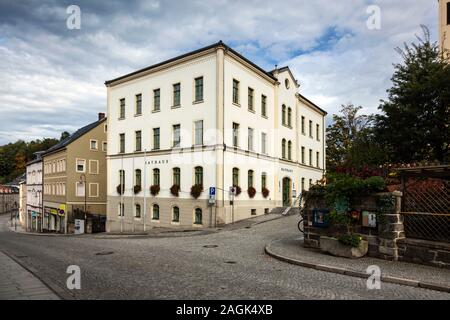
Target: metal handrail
x=299, y=199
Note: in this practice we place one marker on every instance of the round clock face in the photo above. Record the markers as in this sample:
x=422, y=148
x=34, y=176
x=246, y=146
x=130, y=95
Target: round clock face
x=286, y=83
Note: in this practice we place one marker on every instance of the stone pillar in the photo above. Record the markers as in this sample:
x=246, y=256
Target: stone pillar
x=391, y=230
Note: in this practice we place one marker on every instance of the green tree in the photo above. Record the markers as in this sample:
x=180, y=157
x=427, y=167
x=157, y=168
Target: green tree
x=14, y=156
x=64, y=135
x=415, y=120
x=351, y=141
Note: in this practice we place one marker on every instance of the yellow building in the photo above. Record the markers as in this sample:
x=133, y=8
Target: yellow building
x=444, y=24
x=75, y=180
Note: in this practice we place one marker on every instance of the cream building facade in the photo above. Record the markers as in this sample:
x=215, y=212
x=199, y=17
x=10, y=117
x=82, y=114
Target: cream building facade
x=211, y=118
x=74, y=179
x=444, y=24
x=32, y=220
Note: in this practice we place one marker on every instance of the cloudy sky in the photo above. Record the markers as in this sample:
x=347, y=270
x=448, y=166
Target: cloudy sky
x=52, y=78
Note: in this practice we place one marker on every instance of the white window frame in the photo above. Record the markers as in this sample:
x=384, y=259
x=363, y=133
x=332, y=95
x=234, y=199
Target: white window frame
x=90, y=166
x=91, y=195
x=76, y=165
x=263, y=143
x=104, y=143
x=76, y=189
x=195, y=132
x=96, y=145
x=251, y=139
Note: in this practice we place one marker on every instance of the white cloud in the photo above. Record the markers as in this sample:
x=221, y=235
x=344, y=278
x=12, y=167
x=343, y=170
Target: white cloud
x=47, y=70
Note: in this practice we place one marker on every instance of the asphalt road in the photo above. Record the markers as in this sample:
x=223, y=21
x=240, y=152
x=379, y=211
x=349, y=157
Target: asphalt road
x=182, y=268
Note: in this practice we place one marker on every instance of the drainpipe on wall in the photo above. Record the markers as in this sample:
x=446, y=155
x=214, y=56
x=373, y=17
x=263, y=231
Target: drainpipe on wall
x=145, y=189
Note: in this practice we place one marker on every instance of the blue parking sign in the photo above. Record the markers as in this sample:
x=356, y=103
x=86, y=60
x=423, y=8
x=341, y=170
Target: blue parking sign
x=212, y=191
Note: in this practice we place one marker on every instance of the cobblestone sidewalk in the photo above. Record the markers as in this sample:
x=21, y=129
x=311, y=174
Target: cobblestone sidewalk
x=291, y=250
x=16, y=283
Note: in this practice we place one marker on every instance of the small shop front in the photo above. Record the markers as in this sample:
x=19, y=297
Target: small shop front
x=34, y=221
x=55, y=219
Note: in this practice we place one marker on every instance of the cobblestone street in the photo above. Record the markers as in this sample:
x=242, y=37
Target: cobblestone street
x=228, y=264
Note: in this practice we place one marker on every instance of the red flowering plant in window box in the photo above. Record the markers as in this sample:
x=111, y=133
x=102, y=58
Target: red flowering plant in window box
x=251, y=192
x=154, y=190
x=175, y=190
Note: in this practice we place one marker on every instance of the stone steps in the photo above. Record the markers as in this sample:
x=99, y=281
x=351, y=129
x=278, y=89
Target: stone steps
x=280, y=210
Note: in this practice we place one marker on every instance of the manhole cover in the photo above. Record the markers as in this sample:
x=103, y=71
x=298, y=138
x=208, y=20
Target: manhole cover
x=104, y=253
x=231, y=262
x=210, y=246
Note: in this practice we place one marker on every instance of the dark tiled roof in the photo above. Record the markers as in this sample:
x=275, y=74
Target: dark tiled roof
x=77, y=134
x=38, y=157
x=34, y=161
x=220, y=43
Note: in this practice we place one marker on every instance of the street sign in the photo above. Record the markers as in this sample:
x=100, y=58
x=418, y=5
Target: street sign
x=212, y=195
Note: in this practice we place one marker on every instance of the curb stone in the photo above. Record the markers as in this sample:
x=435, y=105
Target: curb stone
x=356, y=274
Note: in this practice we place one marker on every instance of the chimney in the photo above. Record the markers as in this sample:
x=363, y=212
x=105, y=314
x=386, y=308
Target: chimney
x=101, y=116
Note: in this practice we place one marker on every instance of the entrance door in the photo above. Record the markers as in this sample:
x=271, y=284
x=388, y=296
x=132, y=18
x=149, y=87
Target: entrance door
x=286, y=192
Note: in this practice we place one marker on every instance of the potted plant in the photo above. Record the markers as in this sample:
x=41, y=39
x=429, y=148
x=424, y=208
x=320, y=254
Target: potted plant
x=251, y=192
x=120, y=189
x=265, y=193
x=154, y=190
x=238, y=190
x=137, y=189
x=175, y=190
x=196, y=191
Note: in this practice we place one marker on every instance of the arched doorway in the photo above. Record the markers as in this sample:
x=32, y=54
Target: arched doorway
x=287, y=191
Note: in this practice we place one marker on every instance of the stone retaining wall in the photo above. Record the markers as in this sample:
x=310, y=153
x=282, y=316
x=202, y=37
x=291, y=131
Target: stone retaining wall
x=388, y=241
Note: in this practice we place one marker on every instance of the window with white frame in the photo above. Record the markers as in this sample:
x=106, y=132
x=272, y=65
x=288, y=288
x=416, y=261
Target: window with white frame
x=263, y=143
x=80, y=189
x=176, y=133
x=94, y=145
x=104, y=146
x=81, y=165
x=198, y=132
x=138, y=108
x=250, y=139
x=93, y=166
x=93, y=190
x=199, y=89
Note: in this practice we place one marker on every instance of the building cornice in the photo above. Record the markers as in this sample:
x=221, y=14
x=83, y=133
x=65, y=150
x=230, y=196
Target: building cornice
x=192, y=56
x=311, y=104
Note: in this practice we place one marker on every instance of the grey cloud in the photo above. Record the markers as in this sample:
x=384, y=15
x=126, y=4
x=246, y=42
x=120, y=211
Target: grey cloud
x=55, y=76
